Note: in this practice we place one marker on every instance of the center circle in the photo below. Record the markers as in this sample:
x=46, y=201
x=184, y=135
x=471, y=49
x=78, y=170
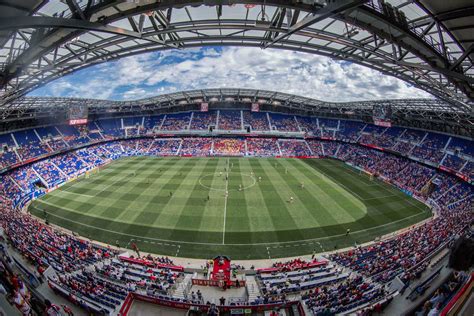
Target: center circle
x=235, y=181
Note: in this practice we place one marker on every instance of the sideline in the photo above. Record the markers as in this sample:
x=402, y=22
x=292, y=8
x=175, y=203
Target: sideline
x=221, y=244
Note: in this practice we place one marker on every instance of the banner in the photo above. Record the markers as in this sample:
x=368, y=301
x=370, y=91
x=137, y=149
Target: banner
x=204, y=107
x=77, y=121
x=255, y=107
x=382, y=123
x=125, y=309
x=382, y=115
x=216, y=283
x=78, y=114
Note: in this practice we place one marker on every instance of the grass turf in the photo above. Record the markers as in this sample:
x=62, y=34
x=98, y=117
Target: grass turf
x=179, y=207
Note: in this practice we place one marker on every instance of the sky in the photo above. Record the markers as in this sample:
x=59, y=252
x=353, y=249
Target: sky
x=303, y=74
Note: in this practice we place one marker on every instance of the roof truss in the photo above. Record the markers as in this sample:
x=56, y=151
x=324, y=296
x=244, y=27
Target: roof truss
x=405, y=41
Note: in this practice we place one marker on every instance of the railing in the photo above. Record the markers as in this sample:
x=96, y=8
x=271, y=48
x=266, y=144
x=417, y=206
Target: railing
x=453, y=306
x=185, y=305
x=187, y=285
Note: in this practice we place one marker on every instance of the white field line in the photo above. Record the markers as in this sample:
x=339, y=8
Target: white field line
x=138, y=237
x=217, y=244
x=225, y=201
x=379, y=197
x=75, y=181
x=376, y=183
x=70, y=192
x=90, y=196
x=108, y=186
x=325, y=176
x=409, y=200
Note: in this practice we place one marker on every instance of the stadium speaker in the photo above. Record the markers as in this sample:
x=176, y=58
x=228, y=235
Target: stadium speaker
x=462, y=254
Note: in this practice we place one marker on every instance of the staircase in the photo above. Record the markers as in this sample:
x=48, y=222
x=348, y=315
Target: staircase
x=252, y=288
x=182, y=287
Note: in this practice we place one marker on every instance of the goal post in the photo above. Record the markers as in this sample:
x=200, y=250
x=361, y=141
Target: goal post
x=92, y=171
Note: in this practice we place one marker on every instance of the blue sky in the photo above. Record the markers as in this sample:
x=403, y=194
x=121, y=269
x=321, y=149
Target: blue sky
x=156, y=73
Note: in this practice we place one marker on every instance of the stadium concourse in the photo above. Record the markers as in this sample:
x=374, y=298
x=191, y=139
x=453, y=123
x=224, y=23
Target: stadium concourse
x=106, y=279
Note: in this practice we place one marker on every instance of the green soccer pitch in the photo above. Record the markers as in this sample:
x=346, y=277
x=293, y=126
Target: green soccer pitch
x=272, y=208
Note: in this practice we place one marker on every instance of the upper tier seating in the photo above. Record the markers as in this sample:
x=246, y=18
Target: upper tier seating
x=230, y=120
x=203, y=120
x=176, y=122
x=437, y=149
x=284, y=123
x=257, y=121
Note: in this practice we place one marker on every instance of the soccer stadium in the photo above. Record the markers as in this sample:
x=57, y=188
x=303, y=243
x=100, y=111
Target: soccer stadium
x=305, y=157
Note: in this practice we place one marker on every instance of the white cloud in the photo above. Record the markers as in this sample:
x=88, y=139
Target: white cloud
x=271, y=69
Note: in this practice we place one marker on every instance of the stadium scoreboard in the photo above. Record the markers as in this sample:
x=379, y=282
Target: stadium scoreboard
x=204, y=107
x=78, y=114
x=382, y=115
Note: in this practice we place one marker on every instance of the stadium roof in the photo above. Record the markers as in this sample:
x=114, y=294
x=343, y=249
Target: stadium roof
x=428, y=44
x=417, y=111
x=229, y=95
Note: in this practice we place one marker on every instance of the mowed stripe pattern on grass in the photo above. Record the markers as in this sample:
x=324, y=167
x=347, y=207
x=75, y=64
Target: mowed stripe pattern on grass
x=166, y=204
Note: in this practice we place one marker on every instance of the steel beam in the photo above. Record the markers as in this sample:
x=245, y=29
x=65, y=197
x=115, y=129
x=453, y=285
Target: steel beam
x=49, y=22
x=447, y=83
x=332, y=9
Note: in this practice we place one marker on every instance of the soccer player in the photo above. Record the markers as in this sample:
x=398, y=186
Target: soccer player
x=291, y=199
x=171, y=194
x=348, y=231
x=302, y=185
x=259, y=179
x=240, y=187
